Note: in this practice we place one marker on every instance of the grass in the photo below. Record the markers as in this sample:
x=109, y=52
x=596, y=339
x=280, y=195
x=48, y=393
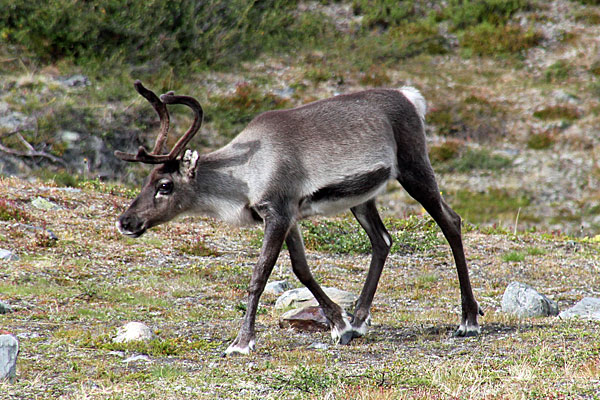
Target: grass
x=70, y=299
x=449, y=158
x=188, y=280
x=480, y=207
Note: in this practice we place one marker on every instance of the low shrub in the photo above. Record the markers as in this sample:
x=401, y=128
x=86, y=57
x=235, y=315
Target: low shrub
x=231, y=113
x=218, y=32
x=487, y=39
x=568, y=113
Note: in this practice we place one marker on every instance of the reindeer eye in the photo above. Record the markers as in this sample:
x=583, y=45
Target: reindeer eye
x=165, y=187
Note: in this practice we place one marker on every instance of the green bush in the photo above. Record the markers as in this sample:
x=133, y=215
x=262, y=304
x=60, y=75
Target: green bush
x=479, y=159
x=567, y=113
x=384, y=13
x=214, y=32
x=231, y=113
x=487, y=39
x=467, y=13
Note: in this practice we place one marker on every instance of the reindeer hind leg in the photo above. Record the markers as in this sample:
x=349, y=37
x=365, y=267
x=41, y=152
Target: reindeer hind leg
x=419, y=181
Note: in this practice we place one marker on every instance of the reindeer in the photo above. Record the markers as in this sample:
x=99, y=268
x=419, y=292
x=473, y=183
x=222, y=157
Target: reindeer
x=286, y=165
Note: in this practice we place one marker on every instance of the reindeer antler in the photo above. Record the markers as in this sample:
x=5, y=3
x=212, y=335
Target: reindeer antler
x=160, y=105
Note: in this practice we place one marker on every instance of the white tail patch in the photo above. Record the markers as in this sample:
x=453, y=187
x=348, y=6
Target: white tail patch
x=414, y=96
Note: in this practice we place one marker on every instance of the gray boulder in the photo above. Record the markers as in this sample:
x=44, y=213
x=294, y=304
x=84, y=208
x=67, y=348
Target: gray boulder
x=277, y=287
x=8, y=255
x=9, y=349
x=587, y=308
x=133, y=331
x=524, y=301
x=302, y=297
x=44, y=204
x=5, y=308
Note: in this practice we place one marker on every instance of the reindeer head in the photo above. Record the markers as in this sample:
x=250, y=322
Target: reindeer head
x=168, y=190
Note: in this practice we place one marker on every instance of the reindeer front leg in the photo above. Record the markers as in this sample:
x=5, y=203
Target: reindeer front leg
x=275, y=232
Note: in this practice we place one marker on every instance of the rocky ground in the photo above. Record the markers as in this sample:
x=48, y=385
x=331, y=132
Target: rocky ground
x=72, y=281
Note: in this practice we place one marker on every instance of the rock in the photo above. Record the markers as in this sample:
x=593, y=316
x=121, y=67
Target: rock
x=310, y=319
x=587, y=308
x=139, y=357
x=277, y=287
x=302, y=297
x=75, y=81
x=318, y=346
x=8, y=255
x=70, y=137
x=9, y=349
x=524, y=301
x=5, y=308
x=14, y=120
x=44, y=204
x=563, y=96
x=133, y=331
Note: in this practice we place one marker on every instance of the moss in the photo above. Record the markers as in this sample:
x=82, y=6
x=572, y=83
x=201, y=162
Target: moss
x=542, y=140
x=446, y=151
x=491, y=205
x=491, y=40
x=231, y=113
x=474, y=159
x=568, y=113
x=557, y=72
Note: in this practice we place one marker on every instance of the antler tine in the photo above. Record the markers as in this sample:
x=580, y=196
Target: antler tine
x=170, y=98
x=161, y=110
x=142, y=154
x=160, y=105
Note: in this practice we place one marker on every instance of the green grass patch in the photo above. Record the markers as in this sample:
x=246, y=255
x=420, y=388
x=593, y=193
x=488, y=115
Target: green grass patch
x=491, y=205
x=535, y=251
x=497, y=40
x=198, y=248
x=513, y=256
x=445, y=152
x=562, y=112
x=557, y=72
x=474, y=159
x=345, y=236
x=542, y=140
x=231, y=113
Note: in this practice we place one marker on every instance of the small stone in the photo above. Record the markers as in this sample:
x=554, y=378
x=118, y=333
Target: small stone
x=139, y=357
x=311, y=319
x=8, y=255
x=302, y=297
x=319, y=346
x=133, y=331
x=587, y=308
x=277, y=287
x=75, y=81
x=5, y=308
x=9, y=349
x=524, y=301
x=43, y=204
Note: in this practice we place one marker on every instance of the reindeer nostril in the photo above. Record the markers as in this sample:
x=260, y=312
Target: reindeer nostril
x=128, y=224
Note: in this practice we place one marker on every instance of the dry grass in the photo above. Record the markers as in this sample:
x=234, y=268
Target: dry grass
x=71, y=295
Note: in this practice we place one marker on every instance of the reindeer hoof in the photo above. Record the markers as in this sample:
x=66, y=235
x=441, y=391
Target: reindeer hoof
x=346, y=337
x=467, y=331
x=236, y=349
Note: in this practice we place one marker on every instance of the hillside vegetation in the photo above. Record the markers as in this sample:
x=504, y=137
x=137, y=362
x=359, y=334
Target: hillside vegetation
x=513, y=126
x=512, y=87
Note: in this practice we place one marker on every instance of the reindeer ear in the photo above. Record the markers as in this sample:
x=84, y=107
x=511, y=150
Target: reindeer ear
x=188, y=164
